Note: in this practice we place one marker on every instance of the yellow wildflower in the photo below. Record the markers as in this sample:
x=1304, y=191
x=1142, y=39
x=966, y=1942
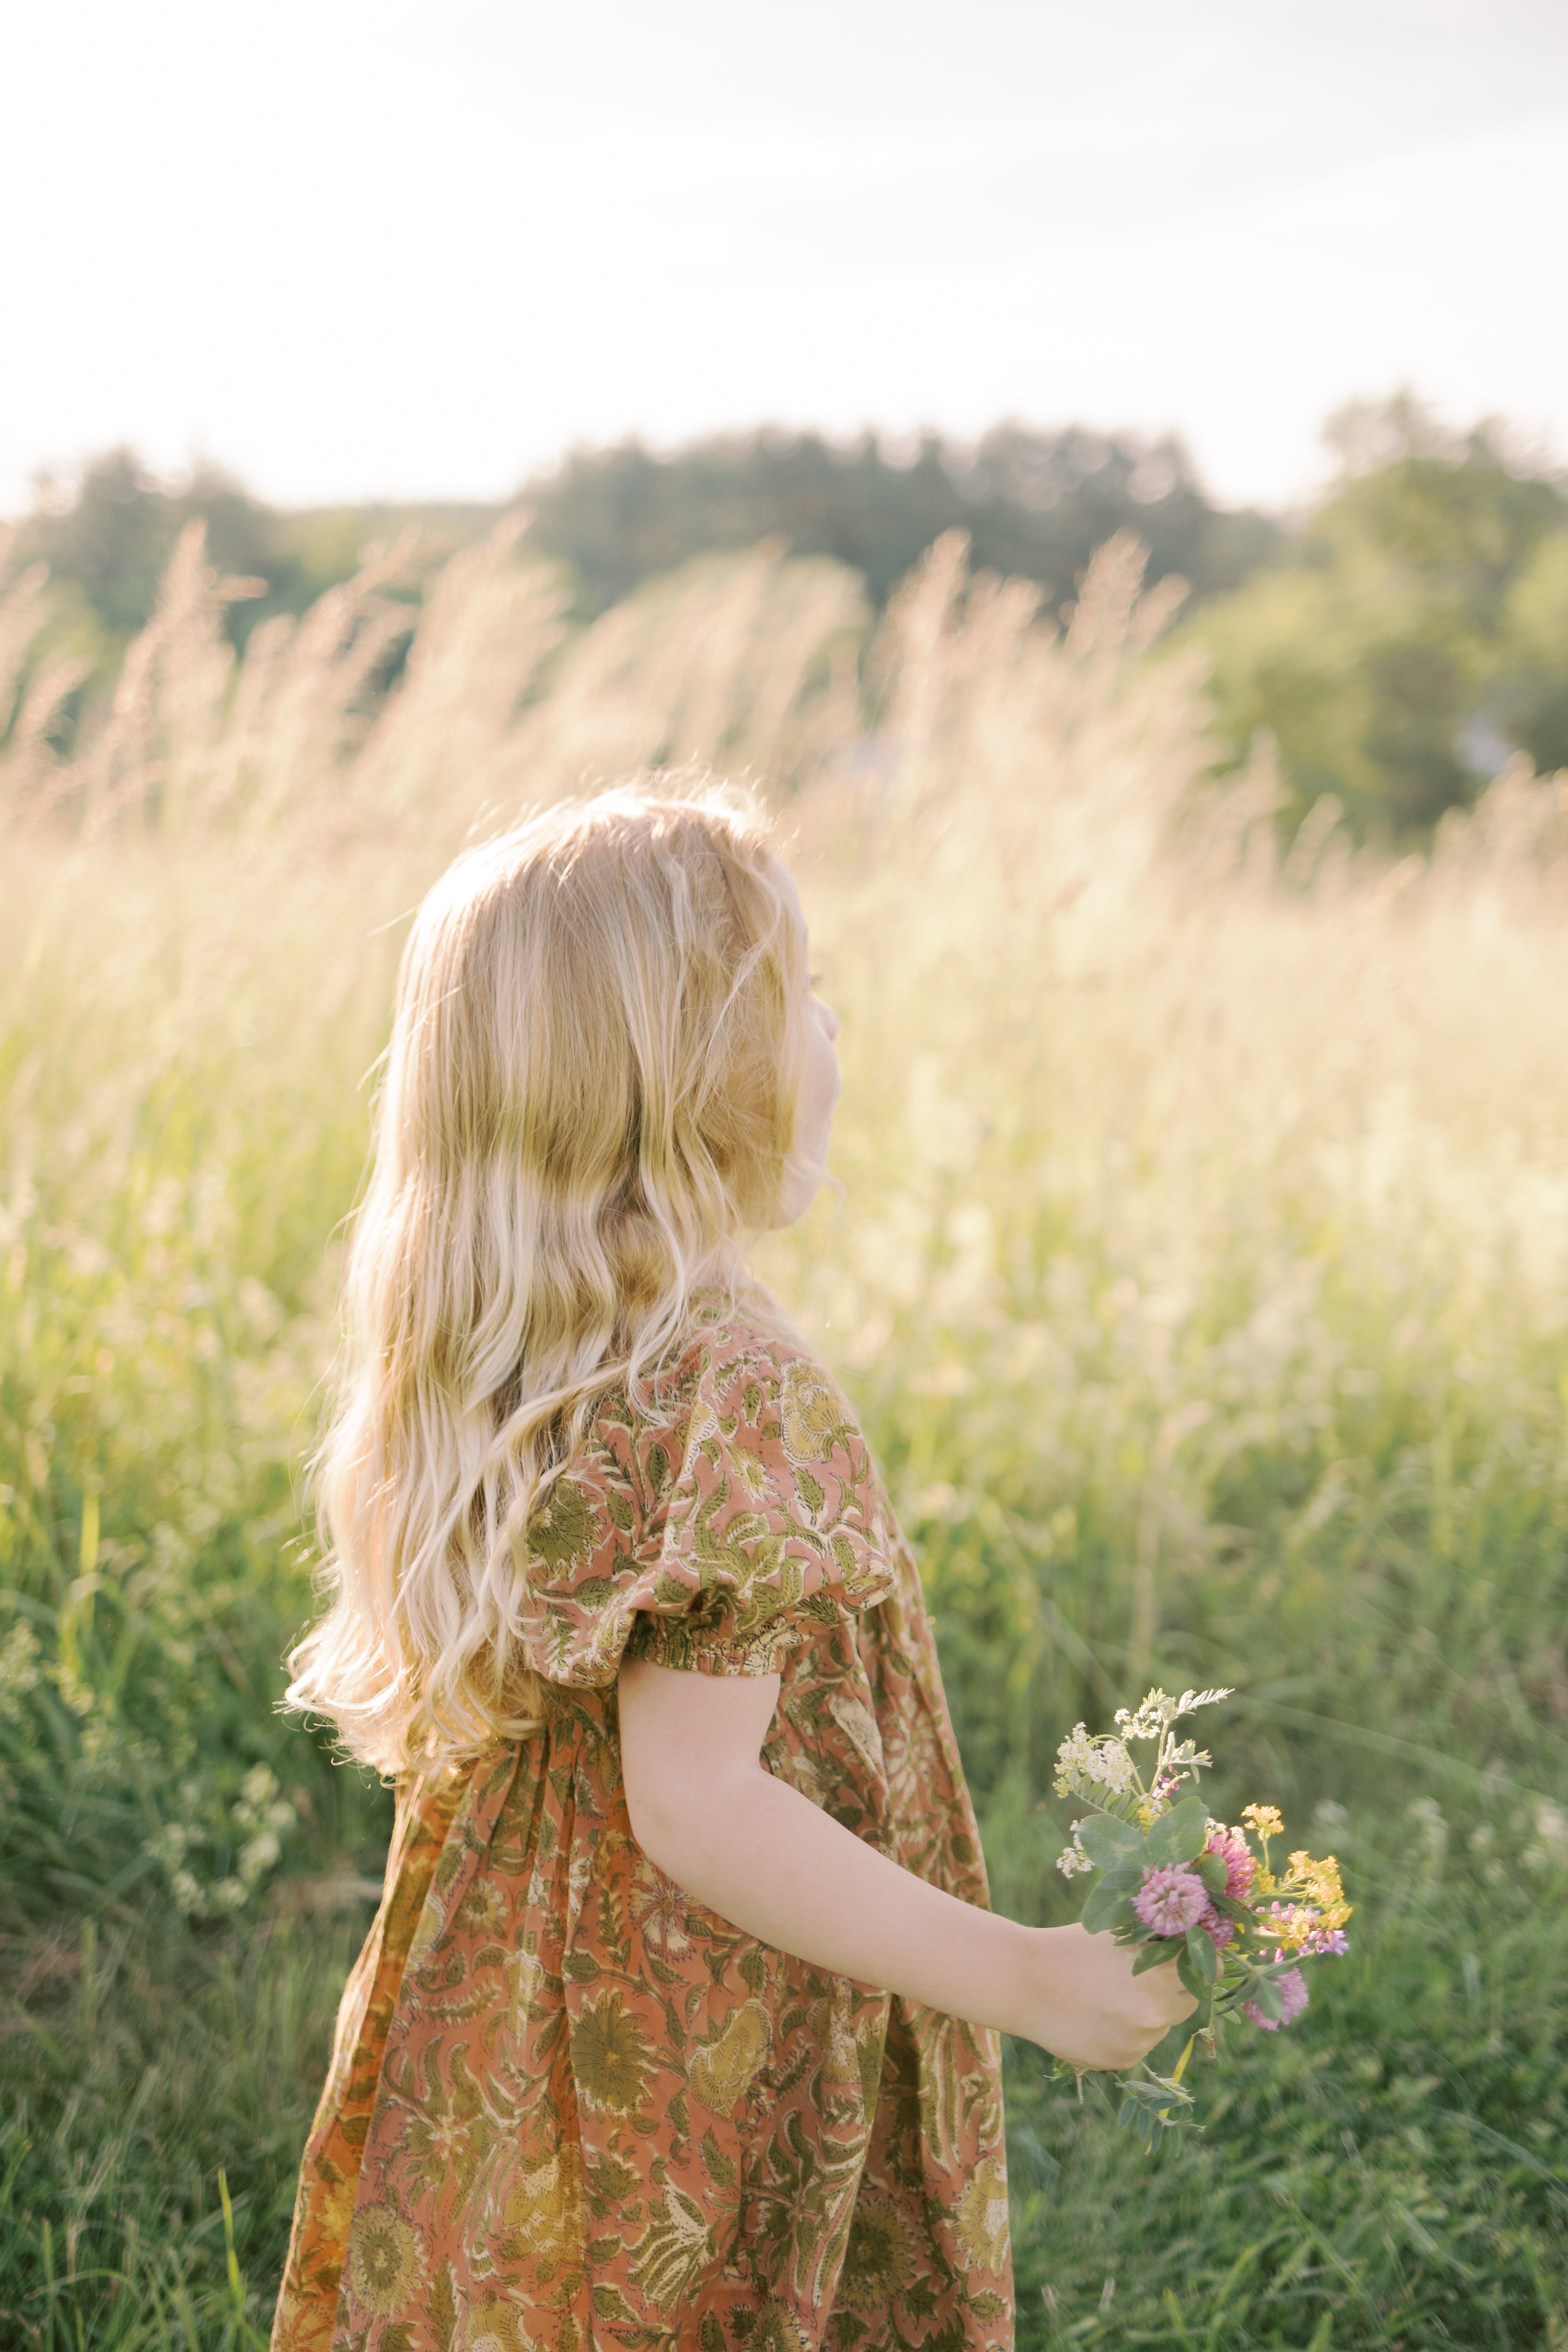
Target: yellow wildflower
x=1266, y=1820
x=1319, y=1882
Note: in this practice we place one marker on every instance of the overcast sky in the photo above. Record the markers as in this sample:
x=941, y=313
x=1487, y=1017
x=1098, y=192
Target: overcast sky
x=417, y=250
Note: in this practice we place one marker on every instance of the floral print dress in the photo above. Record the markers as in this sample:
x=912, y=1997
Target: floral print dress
x=569, y=2106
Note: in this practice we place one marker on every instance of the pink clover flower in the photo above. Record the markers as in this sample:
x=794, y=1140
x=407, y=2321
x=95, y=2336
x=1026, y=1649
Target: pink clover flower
x=1170, y=1899
x=1292, y=1987
x=1240, y=1863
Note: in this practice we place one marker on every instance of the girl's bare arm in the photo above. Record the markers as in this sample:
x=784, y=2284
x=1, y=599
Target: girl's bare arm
x=764, y=1857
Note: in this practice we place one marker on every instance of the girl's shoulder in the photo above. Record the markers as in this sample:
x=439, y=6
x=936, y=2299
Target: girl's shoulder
x=741, y=1390
x=717, y=1516
x=741, y=1351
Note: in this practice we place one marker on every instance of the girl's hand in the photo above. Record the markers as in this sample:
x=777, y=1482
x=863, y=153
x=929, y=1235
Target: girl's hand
x=1091, y=2007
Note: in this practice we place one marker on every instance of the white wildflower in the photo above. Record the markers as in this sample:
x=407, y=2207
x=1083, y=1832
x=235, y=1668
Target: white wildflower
x=1148, y=1719
x=262, y=1808
x=257, y=1855
x=1552, y=1827
x=1549, y=1850
x=1112, y=1767
x=1072, y=1859
x=1428, y=1814
x=1074, y=1760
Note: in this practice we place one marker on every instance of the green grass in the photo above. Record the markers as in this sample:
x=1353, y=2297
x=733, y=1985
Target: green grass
x=149, y=2071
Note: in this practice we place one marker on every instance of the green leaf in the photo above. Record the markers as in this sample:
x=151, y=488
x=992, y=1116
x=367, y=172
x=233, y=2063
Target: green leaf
x=1157, y=2097
x=1124, y=1880
x=1205, y=1959
x=1210, y=1868
x=1266, y=1994
x=1157, y=1954
x=1118, y=1888
x=1178, y=1836
x=1106, y=1841
x=1105, y=1900
x=1187, y=1969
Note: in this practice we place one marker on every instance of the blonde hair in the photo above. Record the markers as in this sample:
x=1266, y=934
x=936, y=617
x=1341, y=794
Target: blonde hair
x=588, y=1100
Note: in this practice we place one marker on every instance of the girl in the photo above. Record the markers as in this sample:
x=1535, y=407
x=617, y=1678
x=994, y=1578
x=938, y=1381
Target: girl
x=678, y=2023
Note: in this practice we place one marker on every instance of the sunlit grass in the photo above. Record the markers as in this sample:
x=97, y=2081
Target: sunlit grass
x=1201, y=1273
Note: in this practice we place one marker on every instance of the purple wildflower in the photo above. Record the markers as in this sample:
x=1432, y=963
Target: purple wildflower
x=1292, y=1993
x=1240, y=1864
x=1170, y=1900
x=1330, y=1942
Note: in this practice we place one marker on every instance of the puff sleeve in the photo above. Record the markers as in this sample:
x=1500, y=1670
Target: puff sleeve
x=716, y=1542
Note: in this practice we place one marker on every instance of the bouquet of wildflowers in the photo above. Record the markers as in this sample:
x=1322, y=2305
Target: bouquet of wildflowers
x=1174, y=1885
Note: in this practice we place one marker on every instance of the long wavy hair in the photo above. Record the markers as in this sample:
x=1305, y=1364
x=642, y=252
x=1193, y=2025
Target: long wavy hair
x=588, y=1102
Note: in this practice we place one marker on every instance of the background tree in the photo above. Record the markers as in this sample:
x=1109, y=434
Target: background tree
x=108, y=536
x=1415, y=633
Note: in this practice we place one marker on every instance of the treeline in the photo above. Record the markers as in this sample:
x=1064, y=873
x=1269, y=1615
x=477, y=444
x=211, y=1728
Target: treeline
x=1398, y=648
x=1036, y=506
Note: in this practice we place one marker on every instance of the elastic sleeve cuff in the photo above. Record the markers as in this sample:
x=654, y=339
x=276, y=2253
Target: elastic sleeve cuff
x=673, y=1642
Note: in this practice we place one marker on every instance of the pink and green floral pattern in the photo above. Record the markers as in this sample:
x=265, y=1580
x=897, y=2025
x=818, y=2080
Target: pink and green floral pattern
x=569, y=2106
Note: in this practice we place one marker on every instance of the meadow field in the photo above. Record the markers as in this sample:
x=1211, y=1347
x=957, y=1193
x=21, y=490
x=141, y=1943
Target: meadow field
x=1200, y=1271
